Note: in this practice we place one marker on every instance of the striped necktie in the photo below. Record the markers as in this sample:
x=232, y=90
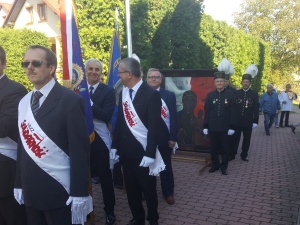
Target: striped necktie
x=91, y=90
x=35, y=103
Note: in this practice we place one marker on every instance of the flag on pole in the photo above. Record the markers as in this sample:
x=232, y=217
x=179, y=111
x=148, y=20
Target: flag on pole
x=113, y=78
x=74, y=76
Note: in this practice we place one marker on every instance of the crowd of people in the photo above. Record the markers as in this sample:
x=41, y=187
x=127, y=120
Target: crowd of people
x=47, y=159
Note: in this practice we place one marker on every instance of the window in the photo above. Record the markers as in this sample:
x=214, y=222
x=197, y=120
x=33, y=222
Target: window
x=30, y=14
x=42, y=11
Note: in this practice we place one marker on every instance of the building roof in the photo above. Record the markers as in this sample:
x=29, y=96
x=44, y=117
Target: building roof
x=18, y=5
x=6, y=6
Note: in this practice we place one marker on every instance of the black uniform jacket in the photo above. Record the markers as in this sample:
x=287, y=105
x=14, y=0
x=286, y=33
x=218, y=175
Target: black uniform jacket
x=220, y=111
x=247, y=107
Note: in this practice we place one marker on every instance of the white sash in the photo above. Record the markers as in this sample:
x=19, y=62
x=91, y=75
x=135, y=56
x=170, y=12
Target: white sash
x=165, y=114
x=8, y=148
x=43, y=151
x=140, y=132
x=102, y=130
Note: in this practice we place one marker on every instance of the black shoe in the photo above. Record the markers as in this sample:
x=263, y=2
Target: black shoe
x=224, y=172
x=213, y=169
x=245, y=159
x=95, y=180
x=110, y=218
x=136, y=222
x=268, y=133
x=281, y=126
x=293, y=128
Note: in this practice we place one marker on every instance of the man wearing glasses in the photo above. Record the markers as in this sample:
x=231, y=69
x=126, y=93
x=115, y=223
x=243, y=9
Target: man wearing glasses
x=168, y=132
x=136, y=138
x=11, y=93
x=53, y=151
x=103, y=101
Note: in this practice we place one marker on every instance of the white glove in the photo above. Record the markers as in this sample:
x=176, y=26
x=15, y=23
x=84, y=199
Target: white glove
x=78, y=203
x=175, y=148
x=146, y=161
x=91, y=102
x=254, y=125
x=18, y=193
x=205, y=131
x=113, y=154
x=231, y=132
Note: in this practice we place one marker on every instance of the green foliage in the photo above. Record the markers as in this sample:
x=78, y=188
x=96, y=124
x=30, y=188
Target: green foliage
x=96, y=25
x=15, y=44
x=277, y=22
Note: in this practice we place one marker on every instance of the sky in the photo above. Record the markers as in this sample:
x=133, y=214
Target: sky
x=222, y=9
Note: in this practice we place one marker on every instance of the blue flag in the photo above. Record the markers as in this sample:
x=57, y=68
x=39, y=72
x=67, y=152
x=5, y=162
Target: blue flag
x=113, y=78
x=73, y=68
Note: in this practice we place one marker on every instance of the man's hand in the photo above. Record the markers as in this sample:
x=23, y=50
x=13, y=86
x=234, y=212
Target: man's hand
x=231, y=132
x=254, y=125
x=171, y=144
x=205, y=131
x=146, y=161
x=113, y=154
x=18, y=193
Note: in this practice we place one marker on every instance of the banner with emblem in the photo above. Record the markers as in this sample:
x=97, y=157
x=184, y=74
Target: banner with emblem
x=113, y=78
x=74, y=76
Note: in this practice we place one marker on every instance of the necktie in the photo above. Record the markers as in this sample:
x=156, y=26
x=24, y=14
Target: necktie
x=91, y=90
x=35, y=103
x=130, y=93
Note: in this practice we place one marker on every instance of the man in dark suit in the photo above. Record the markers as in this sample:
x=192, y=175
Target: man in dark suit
x=11, y=92
x=219, y=122
x=168, y=130
x=103, y=102
x=247, y=116
x=53, y=151
x=139, y=111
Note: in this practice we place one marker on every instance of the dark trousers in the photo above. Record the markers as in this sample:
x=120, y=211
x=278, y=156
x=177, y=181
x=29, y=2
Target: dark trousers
x=247, y=131
x=268, y=121
x=99, y=159
x=286, y=121
x=11, y=213
x=138, y=181
x=117, y=174
x=219, y=142
x=61, y=216
x=166, y=176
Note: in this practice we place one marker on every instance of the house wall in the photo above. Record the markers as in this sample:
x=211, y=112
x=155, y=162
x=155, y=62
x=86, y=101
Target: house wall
x=49, y=27
x=3, y=14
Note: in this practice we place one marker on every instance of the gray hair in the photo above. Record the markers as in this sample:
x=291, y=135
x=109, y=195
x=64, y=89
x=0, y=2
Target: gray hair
x=155, y=70
x=270, y=85
x=93, y=61
x=132, y=65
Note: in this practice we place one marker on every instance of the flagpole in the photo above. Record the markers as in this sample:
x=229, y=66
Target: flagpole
x=128, y=28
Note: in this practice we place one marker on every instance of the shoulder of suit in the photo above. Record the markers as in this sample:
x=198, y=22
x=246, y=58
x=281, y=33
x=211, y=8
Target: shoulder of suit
x=67, y=93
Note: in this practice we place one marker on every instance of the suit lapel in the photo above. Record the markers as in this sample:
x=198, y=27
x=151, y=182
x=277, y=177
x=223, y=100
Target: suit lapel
x=139, y=93
x=50, y=102
x=3, y=81
x=97, y=91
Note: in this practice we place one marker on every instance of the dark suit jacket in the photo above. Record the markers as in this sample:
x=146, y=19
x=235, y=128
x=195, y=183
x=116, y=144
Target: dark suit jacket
x=62, y=118
x=11, y=93
x=164, y=134
x=104, y=101
x=147, y=104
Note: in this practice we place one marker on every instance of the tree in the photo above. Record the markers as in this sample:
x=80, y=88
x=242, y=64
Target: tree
x=15, y=44
x=96, y=25
x=277, y=22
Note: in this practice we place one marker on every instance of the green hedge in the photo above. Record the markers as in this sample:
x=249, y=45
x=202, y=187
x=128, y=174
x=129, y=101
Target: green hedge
x=15, y=44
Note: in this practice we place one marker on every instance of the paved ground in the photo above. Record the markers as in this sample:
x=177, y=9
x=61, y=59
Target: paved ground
x=263, y=191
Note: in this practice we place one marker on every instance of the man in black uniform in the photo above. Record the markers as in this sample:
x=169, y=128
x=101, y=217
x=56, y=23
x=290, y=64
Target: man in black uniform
x=219, y=122
x=247, y=115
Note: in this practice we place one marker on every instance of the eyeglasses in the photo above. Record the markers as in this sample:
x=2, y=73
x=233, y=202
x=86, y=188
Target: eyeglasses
x=34, y=63
x=153, y=77
x=120, y=72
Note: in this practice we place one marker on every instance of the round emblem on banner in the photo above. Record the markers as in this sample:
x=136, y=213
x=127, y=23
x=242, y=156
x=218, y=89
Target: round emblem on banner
x=77, y=76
